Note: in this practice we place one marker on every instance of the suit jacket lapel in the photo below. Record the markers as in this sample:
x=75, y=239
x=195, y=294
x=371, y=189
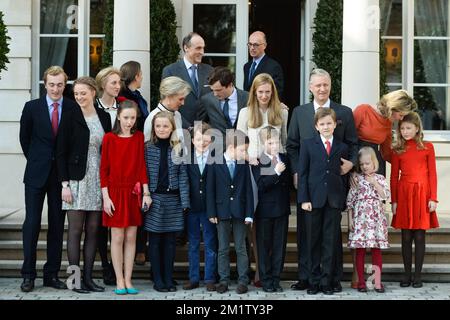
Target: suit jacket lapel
x=45, y=117
x=321, y=146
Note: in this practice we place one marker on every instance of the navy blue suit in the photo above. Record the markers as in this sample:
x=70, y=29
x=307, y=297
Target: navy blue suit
x=322, y=184
x=41, y=179
x=272, y=218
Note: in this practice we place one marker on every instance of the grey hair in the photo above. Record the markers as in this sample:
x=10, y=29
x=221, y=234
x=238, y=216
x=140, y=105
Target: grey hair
x=319, y=72
x=173, y=86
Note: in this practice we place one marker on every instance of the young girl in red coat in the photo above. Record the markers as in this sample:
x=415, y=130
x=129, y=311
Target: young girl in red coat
x=414, y=193
x=122, y=176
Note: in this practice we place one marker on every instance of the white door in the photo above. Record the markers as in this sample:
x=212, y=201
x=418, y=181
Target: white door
x=224, y=26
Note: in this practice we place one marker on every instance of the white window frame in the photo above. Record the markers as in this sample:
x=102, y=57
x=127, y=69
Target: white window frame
x=241, y=31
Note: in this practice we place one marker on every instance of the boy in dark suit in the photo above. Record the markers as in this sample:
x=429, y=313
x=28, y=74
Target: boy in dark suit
x=197, y=169
x=272, y=176
x=229, y=204
x=322, y=194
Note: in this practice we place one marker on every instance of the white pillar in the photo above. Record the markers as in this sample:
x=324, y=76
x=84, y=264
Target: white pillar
x=360, y=57
x=132, y=37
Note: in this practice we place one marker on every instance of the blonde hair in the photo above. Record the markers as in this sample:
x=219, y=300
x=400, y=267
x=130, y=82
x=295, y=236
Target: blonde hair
x=274, y=115
x=54, y=71
x=364, y=151
x=174, y=141
x=400, y=144
x=88, y=81
x=171, y=86
x=102, y=78
x=396, y=101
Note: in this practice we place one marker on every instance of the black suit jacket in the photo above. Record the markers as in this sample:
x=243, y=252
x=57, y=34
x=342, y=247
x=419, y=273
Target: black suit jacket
x=37, y=141
x=73, y=143
x=273, y=189
x=211, y=112
x=229, y=198
x=190, y=109
x=197, y=184
x=266, y=65
x=320, y=174
x=302, y=127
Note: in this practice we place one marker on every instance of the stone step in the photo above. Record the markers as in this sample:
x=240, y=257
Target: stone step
x=391, y=271
x=435, y=253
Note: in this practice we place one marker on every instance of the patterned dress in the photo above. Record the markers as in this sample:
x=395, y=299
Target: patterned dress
x=369, y=219
x=86, y=193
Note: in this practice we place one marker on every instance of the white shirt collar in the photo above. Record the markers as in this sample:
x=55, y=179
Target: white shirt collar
x=258, y=60
x=233, y=96
x=187, y=63
x=227, y=159
x=202, y=155
x=317, y=106
x=50, y=101
x=323, y=140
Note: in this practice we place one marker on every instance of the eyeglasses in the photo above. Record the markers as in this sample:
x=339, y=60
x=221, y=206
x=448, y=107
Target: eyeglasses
x=254, y=45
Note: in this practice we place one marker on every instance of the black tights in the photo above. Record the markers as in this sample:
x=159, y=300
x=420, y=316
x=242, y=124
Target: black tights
x=419, y=245
x=102, y=244
x=89, y=222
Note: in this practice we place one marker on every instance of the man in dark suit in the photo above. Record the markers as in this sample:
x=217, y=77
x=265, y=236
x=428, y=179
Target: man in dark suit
x=261, y=63
x=322, y=193
x=302, y=127
x=38, y=132
x=192, y=70
x=220, y=108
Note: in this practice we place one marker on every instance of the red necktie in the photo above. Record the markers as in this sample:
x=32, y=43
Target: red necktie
x=328, y=146
x=55, y=118
x=274, y=161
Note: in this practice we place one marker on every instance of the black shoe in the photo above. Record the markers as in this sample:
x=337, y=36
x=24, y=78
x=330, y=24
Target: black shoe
x=417, y=283
x=241, y=289
x=109, y=277
x=54, y=283
x=406, y=282
x=278, y=288
x=328, y=290
x=172, y=289
x=268, y=289
x=313, y=289
x=82, y=289
x=222, y=288
x=337, y=287
x=380, y=289
x=92, y=286
x=300, y=285
x=27, y=285
x=160, y=289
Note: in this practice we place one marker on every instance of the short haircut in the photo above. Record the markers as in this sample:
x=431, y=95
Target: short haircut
x=319, y=72
x=324, y=112
x=236, y=138
x=54, y=71
x=367, y=151
x=187, y=39
x=171, y=86
x=221, y=74
x=201, y=127
x=268, y=132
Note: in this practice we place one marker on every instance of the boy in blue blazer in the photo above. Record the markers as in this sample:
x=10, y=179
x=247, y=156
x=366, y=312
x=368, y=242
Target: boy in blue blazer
x=229, y=204
x=197, y=169
x=273, y=178
x=322, y=194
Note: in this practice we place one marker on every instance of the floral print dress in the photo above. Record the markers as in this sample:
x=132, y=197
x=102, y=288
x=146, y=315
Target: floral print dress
x=369, y=219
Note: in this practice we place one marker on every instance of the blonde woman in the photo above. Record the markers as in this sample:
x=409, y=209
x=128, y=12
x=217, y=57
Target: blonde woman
x=108, y=84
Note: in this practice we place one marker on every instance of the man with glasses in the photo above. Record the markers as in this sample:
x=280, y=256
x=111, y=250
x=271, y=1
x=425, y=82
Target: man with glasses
x=261, y=63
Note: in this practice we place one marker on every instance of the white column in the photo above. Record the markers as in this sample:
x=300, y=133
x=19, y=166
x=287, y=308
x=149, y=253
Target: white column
x=132, y=37
x=360, y=57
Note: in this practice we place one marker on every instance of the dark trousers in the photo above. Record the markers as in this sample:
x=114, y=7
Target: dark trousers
x=161, y=251
x=339, y=261
x=271, y=237
x=141, y=240
x=302, y=248
x=322, y=235
x=34, y=201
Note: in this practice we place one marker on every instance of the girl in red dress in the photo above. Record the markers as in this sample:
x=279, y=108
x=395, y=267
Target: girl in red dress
x=414, y=193
x=122, y=176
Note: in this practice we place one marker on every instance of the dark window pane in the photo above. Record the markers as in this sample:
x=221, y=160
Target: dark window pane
x=430, y=60
x=219, y=37
x=391, y=17
x=431, y=18
x=433, y=107
x=393, y=60
x=229, y=62
x=61, y=52
x=59, y=17
x=95, y=55
x=98, y=11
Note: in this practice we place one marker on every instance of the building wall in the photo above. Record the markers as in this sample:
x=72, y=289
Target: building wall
x=15, y=89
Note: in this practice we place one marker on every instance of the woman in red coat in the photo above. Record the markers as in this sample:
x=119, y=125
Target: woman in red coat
x=414, y=193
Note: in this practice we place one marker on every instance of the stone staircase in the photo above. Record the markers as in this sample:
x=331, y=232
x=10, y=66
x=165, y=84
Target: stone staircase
x=436, y=267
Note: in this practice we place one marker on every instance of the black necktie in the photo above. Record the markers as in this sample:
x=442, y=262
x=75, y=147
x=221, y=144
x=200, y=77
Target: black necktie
x=226, y=113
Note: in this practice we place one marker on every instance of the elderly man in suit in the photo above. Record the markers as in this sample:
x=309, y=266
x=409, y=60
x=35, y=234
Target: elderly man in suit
x=302, y=127
x=38, y=132
x=193, y=71
x=221, y=107
x=261, y=63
